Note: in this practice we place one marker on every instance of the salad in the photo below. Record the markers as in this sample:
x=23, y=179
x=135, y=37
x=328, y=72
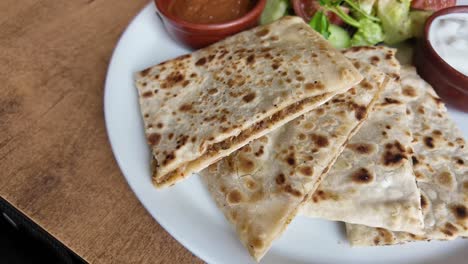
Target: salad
x=347, y=23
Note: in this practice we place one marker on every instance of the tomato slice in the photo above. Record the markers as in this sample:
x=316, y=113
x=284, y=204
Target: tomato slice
x=307, y=8
x=433, y=5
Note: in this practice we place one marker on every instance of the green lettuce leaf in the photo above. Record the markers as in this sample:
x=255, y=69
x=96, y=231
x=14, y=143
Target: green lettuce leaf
x=320, y=23
x=368, y=34
x=396, y=23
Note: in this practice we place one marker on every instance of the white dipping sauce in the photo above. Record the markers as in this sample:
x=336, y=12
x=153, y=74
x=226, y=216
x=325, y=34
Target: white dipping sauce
x=448, y=35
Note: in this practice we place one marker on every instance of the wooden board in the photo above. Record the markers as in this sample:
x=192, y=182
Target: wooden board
x=55, y=160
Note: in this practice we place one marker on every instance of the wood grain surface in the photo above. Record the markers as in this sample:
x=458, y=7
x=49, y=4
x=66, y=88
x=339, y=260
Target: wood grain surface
x=56, y=165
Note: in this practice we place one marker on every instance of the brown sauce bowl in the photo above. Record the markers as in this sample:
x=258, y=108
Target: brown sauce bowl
x=450, y=84
x=198, y=36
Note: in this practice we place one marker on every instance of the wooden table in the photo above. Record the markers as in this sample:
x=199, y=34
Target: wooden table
x=56, y=164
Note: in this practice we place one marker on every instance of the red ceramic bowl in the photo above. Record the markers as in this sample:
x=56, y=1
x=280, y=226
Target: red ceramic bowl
x=201, y=35
x=450, y=84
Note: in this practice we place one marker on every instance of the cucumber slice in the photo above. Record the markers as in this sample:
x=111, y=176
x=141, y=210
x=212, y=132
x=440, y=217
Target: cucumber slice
x=274, y=9
x=339, y=37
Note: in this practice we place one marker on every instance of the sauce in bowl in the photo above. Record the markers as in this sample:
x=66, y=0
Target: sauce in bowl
x=210, y=11
x=448, y=36
x=436, y=55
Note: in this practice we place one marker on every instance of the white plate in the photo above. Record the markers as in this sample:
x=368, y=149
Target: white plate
x=186, y=210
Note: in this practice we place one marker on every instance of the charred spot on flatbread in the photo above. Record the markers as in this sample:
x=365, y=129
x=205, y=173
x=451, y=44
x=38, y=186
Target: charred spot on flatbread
x=362, y=176
x=316, y=85
x=173, y=78
x=234, y=197
x=249, y=97
x=322, y=195
x=256, y=243
x=145, y=72
x=389, y=101
x=280, y=179
x=200, y=62
x=385, y=235
x=289, y=189
x=449, y=229
x=374, y=60
x=262, y=32
x=424, y=202
x=445, y=179
x=250, y=59
x=147, y=94
x=185, y=107
x=360, y=111
x=409, y=91
x=459, y=211
x=394, y=154
x=366, y=85
x=291, y=159
x=245, y=165
x=362, y=148
x=154, y=138
x=429, y=142
x=306, y=170
x=319, y=140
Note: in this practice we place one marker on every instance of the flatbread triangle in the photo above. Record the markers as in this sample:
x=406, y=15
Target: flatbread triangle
x=200, y=107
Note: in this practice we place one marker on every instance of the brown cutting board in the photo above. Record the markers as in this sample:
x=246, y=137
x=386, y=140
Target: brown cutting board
x=56, y=165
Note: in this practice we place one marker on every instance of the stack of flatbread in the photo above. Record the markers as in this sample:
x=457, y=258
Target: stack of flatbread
x=415, y=188
x=372, y=183
x=440, y=165
x=279, y=123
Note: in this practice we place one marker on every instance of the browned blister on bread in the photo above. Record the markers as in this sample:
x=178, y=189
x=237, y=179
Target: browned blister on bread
x=201, y=107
